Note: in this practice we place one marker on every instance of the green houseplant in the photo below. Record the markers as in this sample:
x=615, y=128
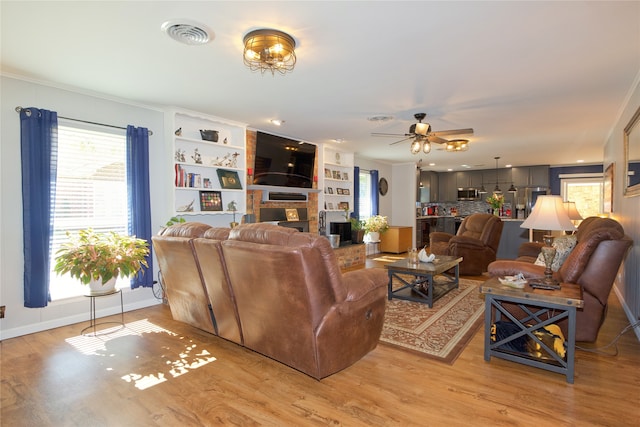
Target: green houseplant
x=101, y=257
x=357, y=230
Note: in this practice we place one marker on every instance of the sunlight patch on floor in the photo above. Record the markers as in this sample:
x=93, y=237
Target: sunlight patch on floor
x=178, y=362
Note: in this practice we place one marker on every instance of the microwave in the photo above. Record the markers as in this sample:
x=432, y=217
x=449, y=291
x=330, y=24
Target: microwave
x=468, y=194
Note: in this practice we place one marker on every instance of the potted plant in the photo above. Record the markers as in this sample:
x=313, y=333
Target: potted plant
x=98, y=259
x=375, y=225
x=357, y=230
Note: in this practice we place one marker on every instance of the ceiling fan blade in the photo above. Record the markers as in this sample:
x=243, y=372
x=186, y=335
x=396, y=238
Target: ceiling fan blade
x=434, y=139
x=402, y=140
x=468, y=131
x=390, y=134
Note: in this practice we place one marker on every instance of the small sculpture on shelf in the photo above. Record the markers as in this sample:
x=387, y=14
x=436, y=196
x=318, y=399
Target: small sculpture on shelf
x=197, y=158
x=229, y=160
x=233, y=207
x=178, y=132
x=186, y=208
x=180, y=155
x=225, y=141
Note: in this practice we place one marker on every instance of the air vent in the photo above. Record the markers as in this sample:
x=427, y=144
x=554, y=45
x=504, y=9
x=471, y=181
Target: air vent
x=380, y=118
x=187, y=32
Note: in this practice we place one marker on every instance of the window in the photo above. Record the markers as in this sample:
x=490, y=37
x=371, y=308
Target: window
x=586, y=192
x=364, y=200
x=91, y=191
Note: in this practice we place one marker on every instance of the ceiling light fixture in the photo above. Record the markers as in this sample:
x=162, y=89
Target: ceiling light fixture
x=277, y=122
x=269, y=50
x=497, y=190
x=456, y=145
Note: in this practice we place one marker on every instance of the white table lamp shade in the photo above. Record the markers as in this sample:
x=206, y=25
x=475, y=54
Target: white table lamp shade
x=549, y=213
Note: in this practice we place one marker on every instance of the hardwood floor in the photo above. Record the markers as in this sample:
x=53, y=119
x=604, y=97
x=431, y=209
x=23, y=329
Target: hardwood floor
x=165, y=373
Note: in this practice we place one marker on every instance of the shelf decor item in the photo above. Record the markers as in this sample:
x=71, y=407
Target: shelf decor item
x=210, y=201
x=209, y=135
x=229, y=179
x=233, y=207
x=98, y=259
x=496, y=201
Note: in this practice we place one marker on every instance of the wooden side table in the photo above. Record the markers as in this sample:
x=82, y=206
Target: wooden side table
x=396, y=239
x=92, y=314
x=542, y=308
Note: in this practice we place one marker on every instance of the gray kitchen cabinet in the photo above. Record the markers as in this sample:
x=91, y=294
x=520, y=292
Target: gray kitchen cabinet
x=447, y=187
x=531, y=176
x=428, y=187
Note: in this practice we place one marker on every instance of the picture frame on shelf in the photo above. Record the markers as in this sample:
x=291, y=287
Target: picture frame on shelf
x=330, y=206
x=346, y=192
x=345, y=176
x=329, y=190
x=336, y=174
x=292, y=214
x=339, y=191
x=343, y=206
x=229, y=179
x=327, y=173
x=206, y=183
x=210, y=201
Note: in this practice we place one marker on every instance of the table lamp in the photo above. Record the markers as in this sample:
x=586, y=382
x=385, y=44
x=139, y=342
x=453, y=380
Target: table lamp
x=549, y=214
x=574, y=215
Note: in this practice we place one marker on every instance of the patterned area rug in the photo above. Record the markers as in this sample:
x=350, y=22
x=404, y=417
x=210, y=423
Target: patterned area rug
x=441, y=332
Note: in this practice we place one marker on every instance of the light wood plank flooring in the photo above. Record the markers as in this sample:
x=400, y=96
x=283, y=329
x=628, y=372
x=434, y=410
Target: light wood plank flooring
x=187, y=377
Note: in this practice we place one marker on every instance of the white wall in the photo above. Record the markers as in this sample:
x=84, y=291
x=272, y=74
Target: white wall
x=18, y=319
x=625, y=210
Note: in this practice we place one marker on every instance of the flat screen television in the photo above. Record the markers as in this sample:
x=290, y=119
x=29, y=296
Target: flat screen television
x=283, y=162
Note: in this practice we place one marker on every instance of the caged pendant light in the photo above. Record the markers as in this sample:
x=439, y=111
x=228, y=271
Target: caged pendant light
x=269, y=50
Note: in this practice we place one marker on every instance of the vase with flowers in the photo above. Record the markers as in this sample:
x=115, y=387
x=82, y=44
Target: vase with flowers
x=374, y=225
x=496, y=201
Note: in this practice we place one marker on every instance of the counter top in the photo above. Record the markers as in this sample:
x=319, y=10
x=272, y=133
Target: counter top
x=504, y=218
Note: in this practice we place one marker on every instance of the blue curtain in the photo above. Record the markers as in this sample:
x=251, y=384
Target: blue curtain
x=39, y=154
x=139, y=205
x=356, y=193
x=375, y=194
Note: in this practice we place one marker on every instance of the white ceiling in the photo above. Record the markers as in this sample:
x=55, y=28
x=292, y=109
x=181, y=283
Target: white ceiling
x=539, y=82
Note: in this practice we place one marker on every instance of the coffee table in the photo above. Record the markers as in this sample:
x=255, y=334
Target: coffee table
x=420, y=288
x=541, y=308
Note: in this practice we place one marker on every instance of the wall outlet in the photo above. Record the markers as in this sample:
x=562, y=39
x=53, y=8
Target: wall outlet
x=2, y=307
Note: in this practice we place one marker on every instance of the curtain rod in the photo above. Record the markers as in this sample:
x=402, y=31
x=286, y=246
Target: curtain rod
x=19, y=109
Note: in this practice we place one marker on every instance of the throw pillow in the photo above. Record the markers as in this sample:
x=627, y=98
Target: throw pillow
x=564, y=245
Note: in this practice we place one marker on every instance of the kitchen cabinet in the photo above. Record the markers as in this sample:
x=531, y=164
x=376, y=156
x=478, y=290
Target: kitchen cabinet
x=511, y=239
x=469, y=179
x=531, y=176
x=428, y=187
x=447, y=187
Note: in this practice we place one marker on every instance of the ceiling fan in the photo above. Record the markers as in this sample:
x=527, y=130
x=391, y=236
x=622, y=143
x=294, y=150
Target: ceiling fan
x=423, y=137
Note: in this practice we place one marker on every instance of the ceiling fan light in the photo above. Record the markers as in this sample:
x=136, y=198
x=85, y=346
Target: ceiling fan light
x=415, y=147
x=426, y=147
x=422, y=129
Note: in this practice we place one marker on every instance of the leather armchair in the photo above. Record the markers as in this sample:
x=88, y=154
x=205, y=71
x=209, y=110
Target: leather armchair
x=593, y=264
x=476, y=242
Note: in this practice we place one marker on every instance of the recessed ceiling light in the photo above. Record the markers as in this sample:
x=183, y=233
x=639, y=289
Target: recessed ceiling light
x=580, y=161
x=432, y=164
x=508, y=166
x=379, y=118
x=187, y=32
x=277, y=122
x=338, y=140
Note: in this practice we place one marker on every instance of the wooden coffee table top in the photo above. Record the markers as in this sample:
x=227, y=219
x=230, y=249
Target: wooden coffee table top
x=439, y=265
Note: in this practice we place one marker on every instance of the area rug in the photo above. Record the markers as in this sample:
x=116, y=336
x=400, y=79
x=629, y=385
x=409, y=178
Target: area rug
x=439, y=333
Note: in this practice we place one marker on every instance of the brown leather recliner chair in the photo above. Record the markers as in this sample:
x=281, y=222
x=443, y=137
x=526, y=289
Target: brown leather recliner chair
x=593, y=264
x=476, y=241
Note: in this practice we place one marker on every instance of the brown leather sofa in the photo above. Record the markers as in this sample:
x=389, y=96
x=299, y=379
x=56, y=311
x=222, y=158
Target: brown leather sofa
x=593, y=264
x=275, y=290
x=476, y=242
